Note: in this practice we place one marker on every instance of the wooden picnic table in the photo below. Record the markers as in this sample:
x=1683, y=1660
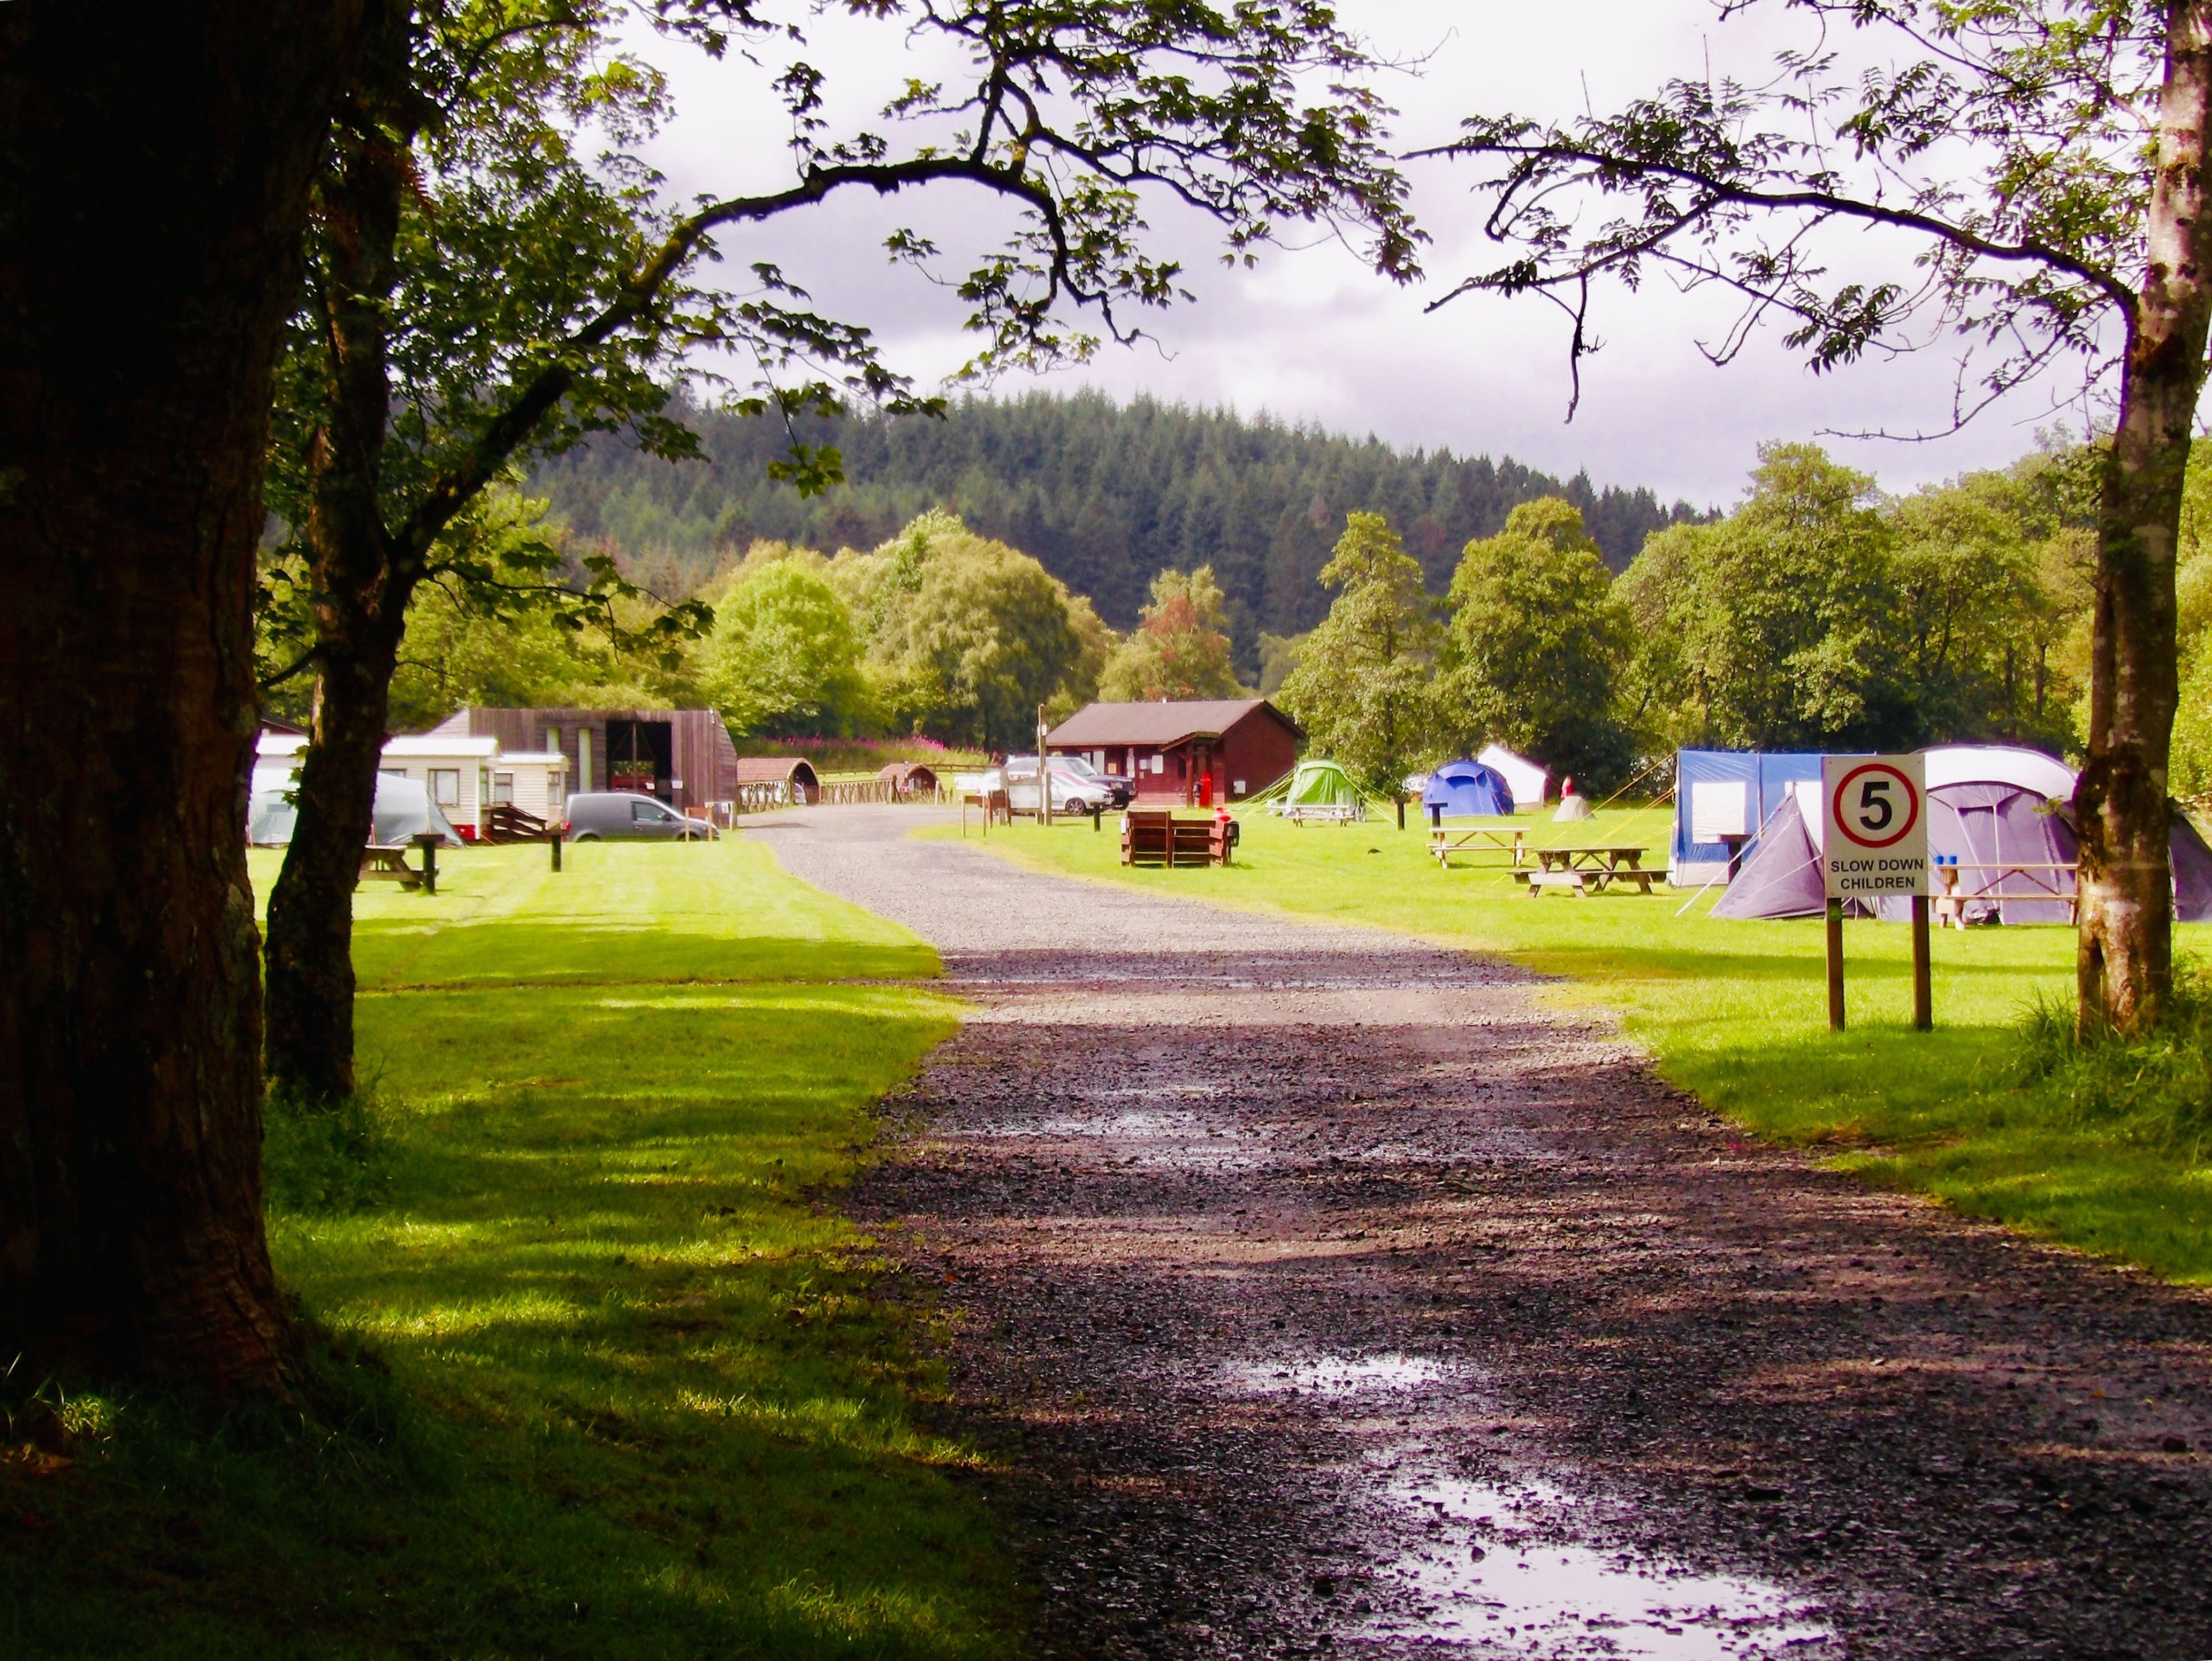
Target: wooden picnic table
x=1471, y=840
x=2042, y=879
x=1582, y=871
x=1156, y=836
x=388, y=864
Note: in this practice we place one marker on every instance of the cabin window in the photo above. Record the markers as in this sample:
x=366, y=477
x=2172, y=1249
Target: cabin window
x=446, y=786
x=1159, y=764
x=503, y=789
x=394, y=772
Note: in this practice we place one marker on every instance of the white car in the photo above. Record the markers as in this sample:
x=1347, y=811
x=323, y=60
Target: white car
x=1071, y=792
x=1115, y=789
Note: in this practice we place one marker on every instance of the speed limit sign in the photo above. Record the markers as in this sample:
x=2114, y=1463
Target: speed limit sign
x=1876, y=841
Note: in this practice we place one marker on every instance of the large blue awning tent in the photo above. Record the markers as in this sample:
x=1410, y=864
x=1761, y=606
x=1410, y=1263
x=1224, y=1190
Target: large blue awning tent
x=1720, y=793
x=1467, y=789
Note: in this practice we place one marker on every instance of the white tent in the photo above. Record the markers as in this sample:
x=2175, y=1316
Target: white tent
x=1998, y=763
x=1528, y=781
x=403, y=810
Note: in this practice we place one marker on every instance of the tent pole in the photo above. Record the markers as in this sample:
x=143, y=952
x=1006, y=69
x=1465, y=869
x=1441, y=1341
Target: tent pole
x=1835, y=965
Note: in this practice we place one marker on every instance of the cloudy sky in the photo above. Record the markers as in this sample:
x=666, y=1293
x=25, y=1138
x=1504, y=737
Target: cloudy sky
x=1314, y=336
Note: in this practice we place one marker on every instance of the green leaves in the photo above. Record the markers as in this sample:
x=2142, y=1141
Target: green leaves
x=1362, y=685
x=2006, y=137
x=1181, y=650
x=1815, y=617
x=1537, y=639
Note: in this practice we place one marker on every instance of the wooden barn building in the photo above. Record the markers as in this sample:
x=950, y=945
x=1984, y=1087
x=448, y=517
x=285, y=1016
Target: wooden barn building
x=683, y=757
x=1172, y=750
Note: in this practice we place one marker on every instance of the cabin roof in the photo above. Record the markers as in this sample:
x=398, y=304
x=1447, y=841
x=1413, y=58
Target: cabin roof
x=1160, y=724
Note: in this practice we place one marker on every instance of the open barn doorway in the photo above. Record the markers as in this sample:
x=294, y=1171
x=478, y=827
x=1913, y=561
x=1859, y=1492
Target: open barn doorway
x=642, y=757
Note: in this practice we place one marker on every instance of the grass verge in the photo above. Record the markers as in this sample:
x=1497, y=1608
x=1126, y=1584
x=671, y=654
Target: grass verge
x=1736, y=1013
x=598, y=1373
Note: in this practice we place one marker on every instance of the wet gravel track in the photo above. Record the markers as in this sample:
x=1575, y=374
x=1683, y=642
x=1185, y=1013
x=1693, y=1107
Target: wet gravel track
x=1325, y=1293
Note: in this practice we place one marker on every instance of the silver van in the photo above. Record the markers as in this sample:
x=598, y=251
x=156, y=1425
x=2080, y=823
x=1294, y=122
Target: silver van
x=620, y=815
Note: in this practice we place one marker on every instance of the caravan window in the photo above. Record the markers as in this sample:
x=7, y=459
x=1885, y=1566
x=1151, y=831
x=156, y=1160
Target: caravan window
x=503, y=789
x=446, y=786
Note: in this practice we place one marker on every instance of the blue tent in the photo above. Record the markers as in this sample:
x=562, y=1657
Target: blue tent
x=1467, y=789
x=1719, y=794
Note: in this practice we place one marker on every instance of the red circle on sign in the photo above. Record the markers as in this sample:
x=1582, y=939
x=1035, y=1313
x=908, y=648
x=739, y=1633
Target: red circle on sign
x=1912, y=797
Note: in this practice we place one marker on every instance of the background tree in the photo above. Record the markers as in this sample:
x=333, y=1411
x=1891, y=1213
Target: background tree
x=1536, y=641
x=784, y=657
x=483, y=287
x=155, y=165
x=1181, y=649
x=1362, y=687
x=984, y=636
x=2048, y=158
x=1814, y=616
x=1106, y=493
x=1279, y=657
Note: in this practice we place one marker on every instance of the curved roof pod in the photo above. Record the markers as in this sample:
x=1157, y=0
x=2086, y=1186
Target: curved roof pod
x=776, y=770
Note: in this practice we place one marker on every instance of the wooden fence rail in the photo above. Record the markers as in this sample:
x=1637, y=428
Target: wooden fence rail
x=767, y=797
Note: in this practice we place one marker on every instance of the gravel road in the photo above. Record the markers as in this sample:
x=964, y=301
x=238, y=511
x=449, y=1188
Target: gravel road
x=1326, y=1293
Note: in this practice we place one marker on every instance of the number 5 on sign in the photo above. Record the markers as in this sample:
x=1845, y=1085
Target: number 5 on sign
x=1875, y=847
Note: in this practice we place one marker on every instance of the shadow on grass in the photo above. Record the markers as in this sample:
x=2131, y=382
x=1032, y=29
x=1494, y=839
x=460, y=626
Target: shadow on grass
x=636, y=1394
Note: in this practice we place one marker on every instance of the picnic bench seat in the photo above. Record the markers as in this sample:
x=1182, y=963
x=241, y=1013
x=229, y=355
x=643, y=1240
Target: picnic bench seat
x=1156, y=837
x=1584, y=870
x=1447, y=842
x=388, y=864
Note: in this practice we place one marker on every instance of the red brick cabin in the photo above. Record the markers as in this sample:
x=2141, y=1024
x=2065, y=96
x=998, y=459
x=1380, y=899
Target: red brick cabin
x=1245, y=743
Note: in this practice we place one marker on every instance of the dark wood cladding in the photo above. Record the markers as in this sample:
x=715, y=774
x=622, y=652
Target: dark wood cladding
x=702, y=754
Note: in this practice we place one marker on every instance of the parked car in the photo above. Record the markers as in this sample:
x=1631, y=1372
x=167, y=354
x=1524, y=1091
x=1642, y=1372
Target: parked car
x=626, y=816
x=1119, y=791
x=1071, y=792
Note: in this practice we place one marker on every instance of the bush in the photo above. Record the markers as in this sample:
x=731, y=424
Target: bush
x=2156, y=1089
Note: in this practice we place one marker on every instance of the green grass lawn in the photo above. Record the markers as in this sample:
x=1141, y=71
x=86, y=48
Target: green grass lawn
x=611, y=1375
x=1737, y=1012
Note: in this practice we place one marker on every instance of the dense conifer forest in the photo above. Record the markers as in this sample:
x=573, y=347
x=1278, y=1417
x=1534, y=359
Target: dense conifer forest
x=1105, y=495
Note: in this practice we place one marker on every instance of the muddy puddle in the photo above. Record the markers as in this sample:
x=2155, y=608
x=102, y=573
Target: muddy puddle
x=1506, y=1567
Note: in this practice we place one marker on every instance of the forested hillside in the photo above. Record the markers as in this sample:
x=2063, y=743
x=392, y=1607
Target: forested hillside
x=1105, y=495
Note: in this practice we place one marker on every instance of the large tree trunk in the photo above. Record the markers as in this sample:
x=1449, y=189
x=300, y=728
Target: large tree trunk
x=153, y=170
x=361, y=595
x=2125, y=960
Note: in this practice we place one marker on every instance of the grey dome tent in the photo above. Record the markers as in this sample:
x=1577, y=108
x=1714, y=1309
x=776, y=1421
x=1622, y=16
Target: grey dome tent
x=1467, y=789
x=403, y=810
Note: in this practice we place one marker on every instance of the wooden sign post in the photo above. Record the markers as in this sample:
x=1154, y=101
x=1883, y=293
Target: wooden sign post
x=1875, y=846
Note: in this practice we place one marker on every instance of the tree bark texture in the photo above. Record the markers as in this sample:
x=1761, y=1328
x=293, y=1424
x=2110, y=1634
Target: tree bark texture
x=154, y=163
x=2125, y=956
x=361, y=594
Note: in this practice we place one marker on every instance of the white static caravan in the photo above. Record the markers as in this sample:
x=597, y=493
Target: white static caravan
x=455, y=770
x=535, y=780
x=461, y=775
